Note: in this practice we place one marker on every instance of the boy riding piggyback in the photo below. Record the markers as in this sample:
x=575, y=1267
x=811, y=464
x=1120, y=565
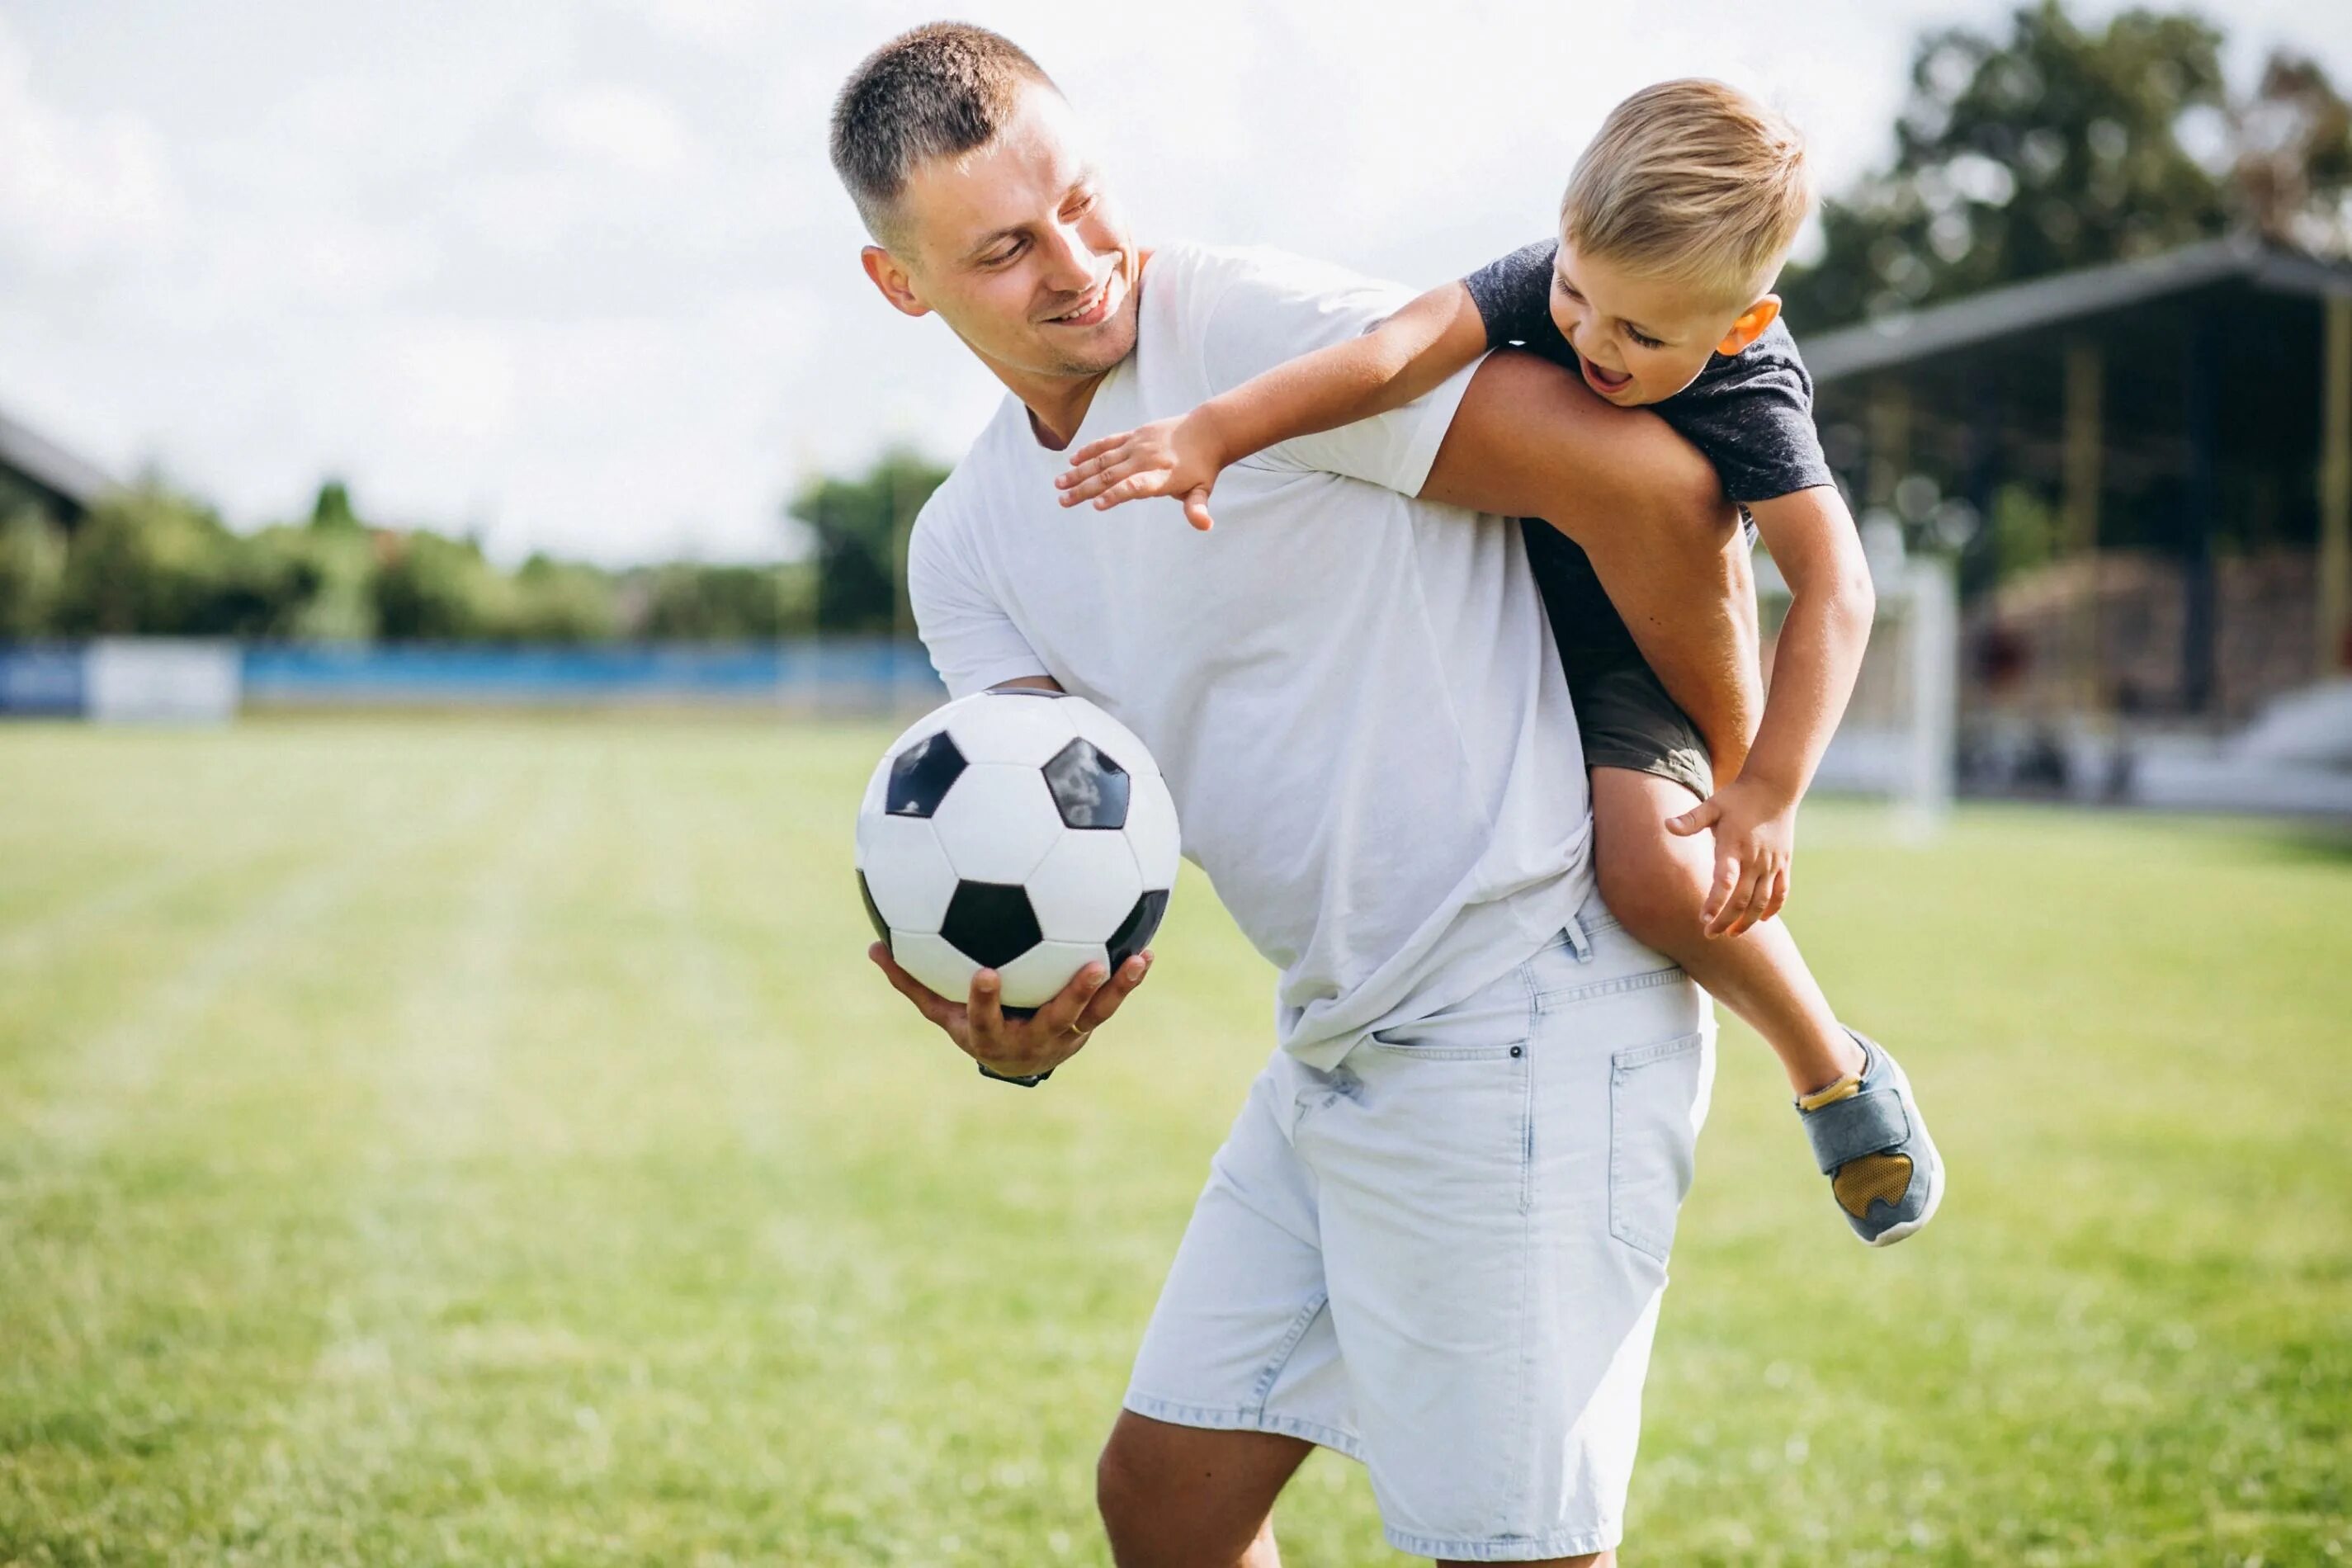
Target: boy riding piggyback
x=1657, y=292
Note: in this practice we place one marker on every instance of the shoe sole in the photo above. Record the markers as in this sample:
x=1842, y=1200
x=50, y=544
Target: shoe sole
x=1894, y=1232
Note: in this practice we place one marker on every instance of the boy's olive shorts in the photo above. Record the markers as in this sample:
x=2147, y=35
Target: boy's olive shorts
x=1628, y=722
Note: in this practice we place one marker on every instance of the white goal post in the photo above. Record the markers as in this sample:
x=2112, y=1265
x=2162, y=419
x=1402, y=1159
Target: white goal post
x=1898, y=741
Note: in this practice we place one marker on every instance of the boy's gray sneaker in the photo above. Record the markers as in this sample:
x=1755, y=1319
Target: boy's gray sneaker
x=1871, y=1142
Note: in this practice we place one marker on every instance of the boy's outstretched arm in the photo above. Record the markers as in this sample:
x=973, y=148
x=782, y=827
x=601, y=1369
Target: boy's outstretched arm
x=1814, y=663
x=1386, y=367
x=1529, y=440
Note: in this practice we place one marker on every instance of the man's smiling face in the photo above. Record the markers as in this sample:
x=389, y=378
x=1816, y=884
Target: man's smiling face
x=1018, y=248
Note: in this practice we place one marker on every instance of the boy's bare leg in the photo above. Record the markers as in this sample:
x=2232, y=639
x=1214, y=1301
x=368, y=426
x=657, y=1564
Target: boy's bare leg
x=1655, y=883
x=1186, y=1497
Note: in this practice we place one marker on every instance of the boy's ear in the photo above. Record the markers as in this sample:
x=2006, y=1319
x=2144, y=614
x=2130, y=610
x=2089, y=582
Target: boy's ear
x=891, y=276
x=1750, y=325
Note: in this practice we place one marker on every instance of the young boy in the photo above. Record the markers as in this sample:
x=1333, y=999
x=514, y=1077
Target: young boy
x=1673, y=229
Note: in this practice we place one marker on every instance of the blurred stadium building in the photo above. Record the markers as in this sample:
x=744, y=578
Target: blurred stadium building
x=37, y=471
x=2144, y=474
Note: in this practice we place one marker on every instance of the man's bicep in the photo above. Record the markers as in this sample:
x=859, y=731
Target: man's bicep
x=1528, y=439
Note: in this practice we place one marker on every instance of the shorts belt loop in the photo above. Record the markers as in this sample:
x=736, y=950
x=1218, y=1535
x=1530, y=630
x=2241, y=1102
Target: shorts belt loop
x=1577, y=939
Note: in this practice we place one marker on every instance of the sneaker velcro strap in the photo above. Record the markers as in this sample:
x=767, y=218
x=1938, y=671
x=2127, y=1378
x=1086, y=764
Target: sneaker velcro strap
x=1870, y=1122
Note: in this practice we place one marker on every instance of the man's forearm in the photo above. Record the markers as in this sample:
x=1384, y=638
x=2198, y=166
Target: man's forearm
x=1529, y=440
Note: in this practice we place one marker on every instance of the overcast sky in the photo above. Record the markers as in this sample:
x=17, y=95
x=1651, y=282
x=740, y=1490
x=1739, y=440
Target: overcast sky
x=574, y=274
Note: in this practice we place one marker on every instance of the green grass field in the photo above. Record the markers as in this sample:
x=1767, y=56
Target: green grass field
x=457, y=1141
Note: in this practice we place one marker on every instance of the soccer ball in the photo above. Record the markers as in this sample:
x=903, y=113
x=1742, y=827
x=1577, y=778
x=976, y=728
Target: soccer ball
x=1024, y=831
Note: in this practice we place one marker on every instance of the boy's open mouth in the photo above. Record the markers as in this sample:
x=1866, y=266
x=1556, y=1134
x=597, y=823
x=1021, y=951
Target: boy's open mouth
x=1606, y=383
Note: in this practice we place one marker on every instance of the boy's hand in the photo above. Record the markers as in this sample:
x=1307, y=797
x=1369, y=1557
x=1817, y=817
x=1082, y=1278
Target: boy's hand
x=1165, y=457
x=1755, y=838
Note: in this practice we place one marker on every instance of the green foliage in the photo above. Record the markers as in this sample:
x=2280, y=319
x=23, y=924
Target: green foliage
x=2024, y=531
x=728, y=604
x=151, y=560
x=147, y=559
x=561, y=602
x=32, y=566
x=429, y=588
x=331, y=512
x=861, y=526
x=2061, y=145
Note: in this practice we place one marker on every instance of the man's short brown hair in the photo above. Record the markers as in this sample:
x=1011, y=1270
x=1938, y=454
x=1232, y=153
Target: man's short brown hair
x=1693, y=182
x=939, y=91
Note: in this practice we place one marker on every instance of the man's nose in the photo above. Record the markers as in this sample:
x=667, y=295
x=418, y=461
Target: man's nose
x=1070, y=261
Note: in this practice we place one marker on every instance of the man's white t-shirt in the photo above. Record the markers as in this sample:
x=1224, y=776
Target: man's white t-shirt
x=1353, y=694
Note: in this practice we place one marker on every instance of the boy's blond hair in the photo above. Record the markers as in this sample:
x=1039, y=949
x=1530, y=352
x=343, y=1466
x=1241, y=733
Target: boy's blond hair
x=1694, y=182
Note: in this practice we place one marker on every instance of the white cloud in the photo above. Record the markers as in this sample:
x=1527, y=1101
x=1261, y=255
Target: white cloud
x=73, y=189
x=456, y=382
x=627, y=127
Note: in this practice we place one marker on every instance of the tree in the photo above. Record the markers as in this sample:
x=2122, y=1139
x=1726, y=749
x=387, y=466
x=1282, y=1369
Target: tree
x=2291, y=168
x=861, y=527
x=688, y=603
x=428, y=588
x=32, y=566
x=148, y=560
x=2060, y=146
x=561, y=602
x=331, y=511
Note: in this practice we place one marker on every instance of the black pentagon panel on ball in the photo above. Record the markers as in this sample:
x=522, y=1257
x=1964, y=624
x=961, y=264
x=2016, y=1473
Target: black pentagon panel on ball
x=920, y=775
x=1089, y=789
x=1135, y=932
x=991, y=923
x=866, y=896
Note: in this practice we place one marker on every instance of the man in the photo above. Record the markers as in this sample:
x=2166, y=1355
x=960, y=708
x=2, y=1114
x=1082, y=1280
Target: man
x=1436, y=1236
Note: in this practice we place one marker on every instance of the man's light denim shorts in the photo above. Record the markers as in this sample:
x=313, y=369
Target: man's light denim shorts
x=1443, y=1257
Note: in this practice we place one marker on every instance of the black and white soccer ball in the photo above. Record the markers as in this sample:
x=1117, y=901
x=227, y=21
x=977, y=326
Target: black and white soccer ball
x=1024, y=831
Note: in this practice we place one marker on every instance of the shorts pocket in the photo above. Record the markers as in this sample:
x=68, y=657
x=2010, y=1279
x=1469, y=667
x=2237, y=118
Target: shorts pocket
x=1657, y=1099
x=1496, y=1023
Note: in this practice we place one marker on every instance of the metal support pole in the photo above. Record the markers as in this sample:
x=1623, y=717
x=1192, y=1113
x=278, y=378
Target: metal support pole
x=2084, y=446
x=2335, y=493
x=2199, y=517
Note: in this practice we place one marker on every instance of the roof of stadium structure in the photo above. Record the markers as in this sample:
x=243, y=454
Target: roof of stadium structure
x=2043, y=303
x=71, y=478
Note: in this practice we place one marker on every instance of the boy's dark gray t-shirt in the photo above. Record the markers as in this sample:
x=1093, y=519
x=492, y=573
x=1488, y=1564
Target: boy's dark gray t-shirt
x=1750, y=413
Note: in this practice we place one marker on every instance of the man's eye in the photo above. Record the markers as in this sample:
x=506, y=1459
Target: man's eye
x=1001, y=257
